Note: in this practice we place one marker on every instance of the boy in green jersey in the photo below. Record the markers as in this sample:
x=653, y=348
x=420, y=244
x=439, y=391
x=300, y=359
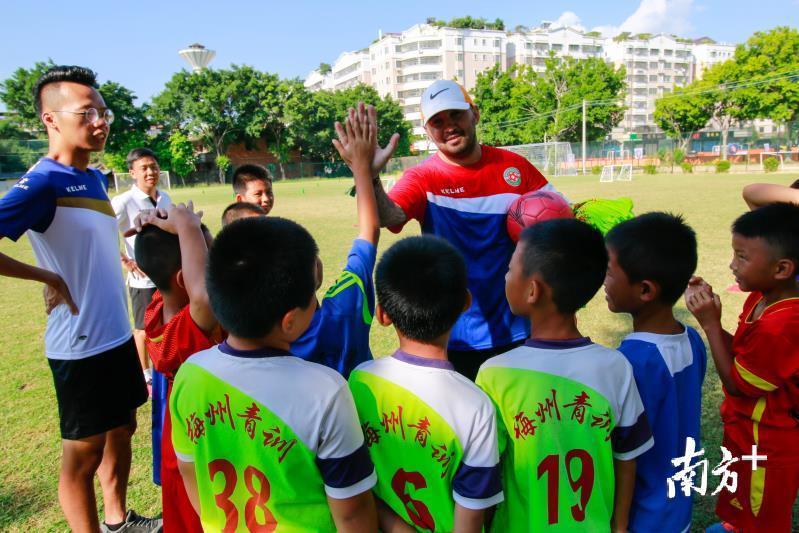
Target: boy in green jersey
x=265, y=440
x=430, y=431
x=569, y=412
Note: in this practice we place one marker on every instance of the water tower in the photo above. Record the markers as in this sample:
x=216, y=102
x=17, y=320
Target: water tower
x=198, y=56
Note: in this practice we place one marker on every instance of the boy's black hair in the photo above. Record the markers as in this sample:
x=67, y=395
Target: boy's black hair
x=137, y=153
x=157, y=253
x=62, y=73
x=238, y=210
x=659, y=247
x=251, y=286
x=247, y=173
x=421, y=285
x=571, y=257
x=777, y=224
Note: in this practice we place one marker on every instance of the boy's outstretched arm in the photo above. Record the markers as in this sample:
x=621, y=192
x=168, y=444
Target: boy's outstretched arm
x=183, y=221
x=705, y=305
x=623, y=498
x=356, y=144
x=354, y=514
x=760, y=194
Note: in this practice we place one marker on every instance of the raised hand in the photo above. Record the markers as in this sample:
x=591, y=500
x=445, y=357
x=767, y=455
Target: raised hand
x=167, y=219
x=356, y=142
x=381, y=155
x=176, y=216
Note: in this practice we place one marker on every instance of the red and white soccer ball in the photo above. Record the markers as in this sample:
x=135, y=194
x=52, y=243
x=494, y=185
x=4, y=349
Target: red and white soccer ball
x=533, y=207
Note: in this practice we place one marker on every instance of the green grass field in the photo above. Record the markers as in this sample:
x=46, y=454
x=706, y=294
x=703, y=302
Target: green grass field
x=29, y=439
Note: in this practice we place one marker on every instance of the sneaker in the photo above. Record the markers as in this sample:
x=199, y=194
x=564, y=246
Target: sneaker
x=135, y=523
x=722, y=527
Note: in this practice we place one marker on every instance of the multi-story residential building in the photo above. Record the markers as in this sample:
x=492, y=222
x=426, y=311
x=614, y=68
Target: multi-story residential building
x=707, y=53
x=350, y=69
x=534, y=47
x=654, y=65
x=402, y=64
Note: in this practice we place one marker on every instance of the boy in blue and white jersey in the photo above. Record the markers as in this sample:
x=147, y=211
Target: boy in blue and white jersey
x=651, y=259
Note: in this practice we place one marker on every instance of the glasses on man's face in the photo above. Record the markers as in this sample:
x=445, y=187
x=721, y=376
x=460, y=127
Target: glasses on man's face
x=92, y=115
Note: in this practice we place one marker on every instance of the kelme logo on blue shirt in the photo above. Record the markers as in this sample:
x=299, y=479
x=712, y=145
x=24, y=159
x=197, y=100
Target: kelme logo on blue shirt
x=512, y=176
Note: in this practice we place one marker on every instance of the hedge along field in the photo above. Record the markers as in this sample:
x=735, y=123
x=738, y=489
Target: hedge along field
x=29, y=438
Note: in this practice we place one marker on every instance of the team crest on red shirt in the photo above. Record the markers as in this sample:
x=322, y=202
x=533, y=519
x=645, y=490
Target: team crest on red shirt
x=512, y=176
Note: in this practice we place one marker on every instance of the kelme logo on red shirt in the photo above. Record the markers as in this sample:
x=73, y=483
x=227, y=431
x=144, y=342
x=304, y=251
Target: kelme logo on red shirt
x=512, y=176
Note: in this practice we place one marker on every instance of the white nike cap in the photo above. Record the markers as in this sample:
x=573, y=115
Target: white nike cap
x=443, y=95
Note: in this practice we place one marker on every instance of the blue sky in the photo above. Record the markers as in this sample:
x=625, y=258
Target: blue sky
x=136, y=43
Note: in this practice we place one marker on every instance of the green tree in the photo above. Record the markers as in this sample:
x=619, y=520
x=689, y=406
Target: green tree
x=764, y=55
x=717, y=88
x=324, y=68
x=17, y=94
x=503, y=101
x=679, y=116
x=10, y=130
x=524, y=106
x=566, y=82
x=282, y=108
x=317, y=133
x=130, y=126
x=181, y=154
x=212, y=106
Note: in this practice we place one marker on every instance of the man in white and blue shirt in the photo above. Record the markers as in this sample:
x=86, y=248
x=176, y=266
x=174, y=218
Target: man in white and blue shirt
x=63, y=206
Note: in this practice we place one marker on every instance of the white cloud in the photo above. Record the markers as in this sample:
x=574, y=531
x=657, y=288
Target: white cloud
x=651, y=16
x=569, y=18
x=656, y=16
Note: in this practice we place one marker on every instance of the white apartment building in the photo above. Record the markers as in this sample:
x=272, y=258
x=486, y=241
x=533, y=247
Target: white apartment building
x=707, y=53
x=350, y=69
x=654, y=65
x=533, y=47
x=402, y=64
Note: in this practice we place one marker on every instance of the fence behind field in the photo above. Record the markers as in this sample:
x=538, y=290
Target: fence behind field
x=642, y=155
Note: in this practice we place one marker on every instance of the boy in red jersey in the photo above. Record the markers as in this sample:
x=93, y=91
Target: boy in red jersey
x=759, y=368
x=178, y=322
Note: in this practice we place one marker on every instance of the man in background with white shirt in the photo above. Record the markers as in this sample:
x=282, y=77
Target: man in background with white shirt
x=144, y=194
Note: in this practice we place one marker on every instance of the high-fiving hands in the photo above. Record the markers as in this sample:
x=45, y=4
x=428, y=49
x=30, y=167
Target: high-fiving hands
x=381, y=155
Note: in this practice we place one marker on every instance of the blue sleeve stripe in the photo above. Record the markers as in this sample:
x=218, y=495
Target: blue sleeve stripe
x=477, y=482
x=342, y=472
x=628, y=438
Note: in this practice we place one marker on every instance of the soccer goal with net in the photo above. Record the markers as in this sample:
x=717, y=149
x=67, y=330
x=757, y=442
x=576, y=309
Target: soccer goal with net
x=611, y=173
x=776, y=155
x=123, y=181
x=552, y=159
